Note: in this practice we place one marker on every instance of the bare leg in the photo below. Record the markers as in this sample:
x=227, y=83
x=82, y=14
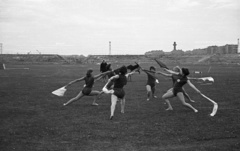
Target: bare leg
x=100, y=94
x=166, y=96
x=94, y=101
x=171, y=89
x=181, y=98
x=122, y=105
x=153, y=92
x=95, y=94
x=187, y=96
x=149, y=92
x=79, y=96
x=113, y=105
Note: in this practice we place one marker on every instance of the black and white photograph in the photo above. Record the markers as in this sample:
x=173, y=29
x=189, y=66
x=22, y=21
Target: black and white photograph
x=119, y=75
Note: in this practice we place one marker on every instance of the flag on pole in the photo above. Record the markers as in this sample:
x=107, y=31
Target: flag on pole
x=60, y=91
x=161, y=64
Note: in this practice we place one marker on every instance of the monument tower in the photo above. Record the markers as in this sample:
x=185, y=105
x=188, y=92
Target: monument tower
x=174, y=46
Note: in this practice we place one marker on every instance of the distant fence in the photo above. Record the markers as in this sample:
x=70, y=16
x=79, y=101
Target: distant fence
x=30, y=58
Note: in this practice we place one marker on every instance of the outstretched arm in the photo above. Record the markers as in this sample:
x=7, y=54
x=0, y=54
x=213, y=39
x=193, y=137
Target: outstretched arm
x=171, y=72
x=101, y=74
x=192, y=78
x=114, y=77
x=128, y=74
x=158, y=72
x=150, y=73
x=164, y=74
x=192, y=86
x=147, y=71
x=74, y=81
x=144, y=70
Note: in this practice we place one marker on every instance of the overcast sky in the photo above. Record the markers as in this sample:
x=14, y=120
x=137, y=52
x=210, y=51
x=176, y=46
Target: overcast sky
x=133, y=26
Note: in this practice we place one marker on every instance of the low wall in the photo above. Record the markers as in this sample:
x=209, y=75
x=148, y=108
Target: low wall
x=117, y=59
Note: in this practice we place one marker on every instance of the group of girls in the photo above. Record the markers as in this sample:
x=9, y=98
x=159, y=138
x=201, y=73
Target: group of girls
x=118, y=79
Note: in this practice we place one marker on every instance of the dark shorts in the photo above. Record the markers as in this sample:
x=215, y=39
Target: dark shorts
x=86, y=91
x=151, y=84
x=153, y=89
x=177, y=90
x=120, y=93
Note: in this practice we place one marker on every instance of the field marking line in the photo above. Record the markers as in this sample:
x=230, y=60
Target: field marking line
x=16, y=68
x=206, y=84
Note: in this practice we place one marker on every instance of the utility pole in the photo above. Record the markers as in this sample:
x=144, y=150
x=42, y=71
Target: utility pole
x=1, y=55
x=1, y=48
x=238, y=47
x=109, y=47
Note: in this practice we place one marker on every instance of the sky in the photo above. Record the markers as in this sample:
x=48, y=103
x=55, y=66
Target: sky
x=83, y=27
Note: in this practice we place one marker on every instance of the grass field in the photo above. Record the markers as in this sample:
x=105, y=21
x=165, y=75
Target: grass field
x=34, y=119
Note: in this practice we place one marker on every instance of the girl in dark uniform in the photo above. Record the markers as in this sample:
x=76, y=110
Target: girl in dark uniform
x=118, y=93
x=87, y=90
x=174, y=78
x=103, y=68
x=150, y=86
x=178, y=91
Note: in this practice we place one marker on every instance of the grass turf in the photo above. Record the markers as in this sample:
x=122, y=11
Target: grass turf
x=34, y=119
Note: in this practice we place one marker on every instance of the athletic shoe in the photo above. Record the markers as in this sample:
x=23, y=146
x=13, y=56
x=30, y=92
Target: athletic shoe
x=148, y=99
x=111, y=117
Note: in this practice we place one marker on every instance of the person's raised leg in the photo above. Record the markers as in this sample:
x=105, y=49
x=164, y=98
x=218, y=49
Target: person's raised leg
x=113, y=105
